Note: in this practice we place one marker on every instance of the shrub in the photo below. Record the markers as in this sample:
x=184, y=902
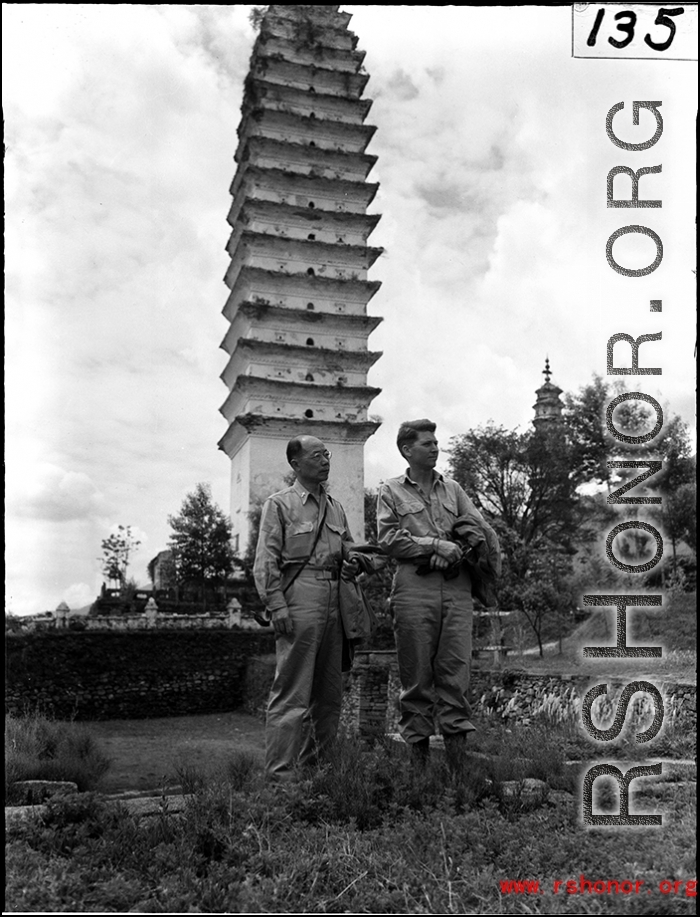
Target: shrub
x=38, y=748
x=358, y=837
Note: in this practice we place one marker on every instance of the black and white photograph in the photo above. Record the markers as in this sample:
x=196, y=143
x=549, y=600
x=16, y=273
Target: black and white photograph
x=350, y=504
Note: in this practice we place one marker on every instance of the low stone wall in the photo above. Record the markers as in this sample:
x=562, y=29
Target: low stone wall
x=91, y=675
x=373, y=695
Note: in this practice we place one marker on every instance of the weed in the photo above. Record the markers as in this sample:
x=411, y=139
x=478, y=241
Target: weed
x=358, y=835
x=39, y=748
x=241, y=769
x=192, y=779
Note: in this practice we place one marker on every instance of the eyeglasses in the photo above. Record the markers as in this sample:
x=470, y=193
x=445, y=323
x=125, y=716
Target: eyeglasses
x=317, y=456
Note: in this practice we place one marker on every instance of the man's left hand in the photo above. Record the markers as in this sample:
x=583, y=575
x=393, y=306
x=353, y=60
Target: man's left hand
x=350, y=569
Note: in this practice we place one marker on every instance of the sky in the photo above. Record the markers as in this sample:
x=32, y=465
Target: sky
x=120, y=129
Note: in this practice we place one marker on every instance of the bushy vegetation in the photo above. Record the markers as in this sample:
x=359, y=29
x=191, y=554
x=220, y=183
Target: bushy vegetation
x=360, y=835
x=38, y=748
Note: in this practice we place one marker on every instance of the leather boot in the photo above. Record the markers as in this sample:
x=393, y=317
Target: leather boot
x=420, y=752
x=456, y=754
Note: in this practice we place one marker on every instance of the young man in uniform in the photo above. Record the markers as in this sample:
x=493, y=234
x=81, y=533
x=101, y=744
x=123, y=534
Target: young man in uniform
x=432, y=594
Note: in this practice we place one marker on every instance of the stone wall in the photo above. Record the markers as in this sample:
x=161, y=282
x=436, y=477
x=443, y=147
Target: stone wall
x=90, y=675
x=372, y=699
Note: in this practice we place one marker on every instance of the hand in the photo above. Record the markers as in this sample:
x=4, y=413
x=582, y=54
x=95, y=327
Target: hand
x=438, y=563
x=447, y=550
x=350, y=569
x=282, y=622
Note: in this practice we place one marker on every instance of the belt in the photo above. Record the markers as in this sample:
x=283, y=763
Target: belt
x=330, y=573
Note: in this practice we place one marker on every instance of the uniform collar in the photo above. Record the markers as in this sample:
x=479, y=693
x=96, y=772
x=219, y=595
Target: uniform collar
x=407, y=479
x=305, y=494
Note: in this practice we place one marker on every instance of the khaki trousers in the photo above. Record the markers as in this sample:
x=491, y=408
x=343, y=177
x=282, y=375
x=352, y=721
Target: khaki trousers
x=303, y=711
x=433, y=628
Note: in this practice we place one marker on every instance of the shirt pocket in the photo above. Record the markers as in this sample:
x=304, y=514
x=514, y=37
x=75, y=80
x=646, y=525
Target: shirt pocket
x=450, y=504
x=412, y=517
x=335, y=539
x=409, y=508
x=299, y=539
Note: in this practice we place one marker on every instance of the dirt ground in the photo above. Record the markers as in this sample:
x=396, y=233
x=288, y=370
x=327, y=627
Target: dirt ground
x=145, y=754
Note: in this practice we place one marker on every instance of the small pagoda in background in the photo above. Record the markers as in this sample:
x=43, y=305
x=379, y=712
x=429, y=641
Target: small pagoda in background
x=298, y=336
x=548, y=407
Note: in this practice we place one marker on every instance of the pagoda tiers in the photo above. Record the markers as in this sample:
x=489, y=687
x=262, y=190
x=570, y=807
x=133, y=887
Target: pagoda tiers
x=548, y=406
x=297, y=341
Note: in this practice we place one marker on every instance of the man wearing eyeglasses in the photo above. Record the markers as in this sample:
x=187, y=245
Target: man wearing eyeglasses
x=297, y=567
x=418, y=515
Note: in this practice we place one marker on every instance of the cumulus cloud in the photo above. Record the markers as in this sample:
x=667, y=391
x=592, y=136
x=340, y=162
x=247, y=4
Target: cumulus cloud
x=57, y=495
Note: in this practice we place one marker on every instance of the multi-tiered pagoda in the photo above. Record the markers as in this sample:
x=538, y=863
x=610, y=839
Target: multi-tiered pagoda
x=548, y=407
x=299, y=259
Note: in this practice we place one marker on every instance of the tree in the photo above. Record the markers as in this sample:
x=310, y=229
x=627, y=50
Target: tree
x=593, y=446
x=584, y=416
x=116, y=554
x=201, y=542
x=526, y=481
x=525, y=485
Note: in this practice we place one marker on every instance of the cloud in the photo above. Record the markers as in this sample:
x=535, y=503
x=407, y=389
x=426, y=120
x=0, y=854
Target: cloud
x=402, y=87
x=54, y=494
x=78, y=595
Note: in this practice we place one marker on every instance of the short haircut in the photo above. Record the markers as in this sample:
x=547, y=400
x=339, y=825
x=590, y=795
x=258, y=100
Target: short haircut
x=294, y=449
x=409, y=430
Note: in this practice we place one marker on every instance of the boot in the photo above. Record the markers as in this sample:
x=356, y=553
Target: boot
x=420, y=752
x=456, y=754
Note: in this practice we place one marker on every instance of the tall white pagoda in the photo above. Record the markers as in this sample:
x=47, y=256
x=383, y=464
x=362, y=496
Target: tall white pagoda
x=298, y=335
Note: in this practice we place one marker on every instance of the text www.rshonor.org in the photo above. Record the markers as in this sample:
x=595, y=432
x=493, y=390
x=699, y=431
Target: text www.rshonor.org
x=584, y=886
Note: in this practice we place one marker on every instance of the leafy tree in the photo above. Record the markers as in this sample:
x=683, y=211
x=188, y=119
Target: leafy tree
x=526, y=481
x=584, y=416
x=678, y=518
x=525, y=485
x=116, y=554
x=593, y=445
x=201, y=542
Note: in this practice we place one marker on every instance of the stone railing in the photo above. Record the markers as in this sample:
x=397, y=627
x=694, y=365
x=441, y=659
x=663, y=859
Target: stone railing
x=151, y=618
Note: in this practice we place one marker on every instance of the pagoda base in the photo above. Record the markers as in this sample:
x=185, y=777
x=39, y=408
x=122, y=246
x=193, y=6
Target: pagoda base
x=259, y=466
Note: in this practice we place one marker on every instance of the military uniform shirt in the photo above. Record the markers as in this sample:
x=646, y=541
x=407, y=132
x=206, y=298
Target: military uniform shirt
x=409, y=521
x=287, y=530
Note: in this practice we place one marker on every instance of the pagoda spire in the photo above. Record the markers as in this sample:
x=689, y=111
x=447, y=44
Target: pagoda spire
x=297, y=341
x=548, y=406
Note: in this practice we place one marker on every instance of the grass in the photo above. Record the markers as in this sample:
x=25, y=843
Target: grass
x=360, y=835
x=39, y=748
x=672, y=626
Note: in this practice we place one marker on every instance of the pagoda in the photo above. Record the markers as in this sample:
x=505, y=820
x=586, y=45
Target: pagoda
x=548, y=406
x=298, y=336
